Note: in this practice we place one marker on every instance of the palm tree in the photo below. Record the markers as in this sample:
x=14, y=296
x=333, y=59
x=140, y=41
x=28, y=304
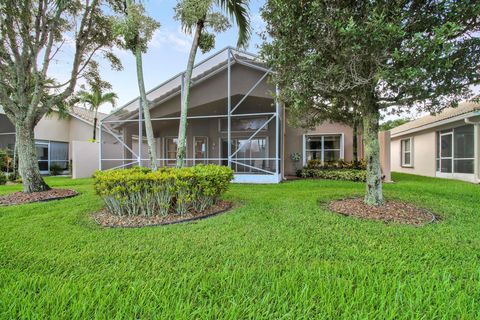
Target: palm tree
x=95, y=99
x=197, y=15
x=137, y=28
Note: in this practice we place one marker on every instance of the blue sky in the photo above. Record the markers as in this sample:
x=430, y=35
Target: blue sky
x=168, y=50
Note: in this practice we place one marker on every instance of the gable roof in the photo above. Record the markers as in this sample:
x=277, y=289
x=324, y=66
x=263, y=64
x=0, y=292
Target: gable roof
x=463, y=110
x=85, y=114
x=80, y=113
x=201, y=71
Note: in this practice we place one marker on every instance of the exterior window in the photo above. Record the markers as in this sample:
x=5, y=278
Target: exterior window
x=171, y=150
x=200, y=145
x=407, y=147
x=7, y=141
x=455, y=150
x=323, y=147
x=59, y=155
x=52, y=153
x=244, y=124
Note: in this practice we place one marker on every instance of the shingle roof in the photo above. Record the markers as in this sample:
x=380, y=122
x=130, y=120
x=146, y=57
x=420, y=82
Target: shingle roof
x=85, y=114
x=82, y=113
x=463, y=108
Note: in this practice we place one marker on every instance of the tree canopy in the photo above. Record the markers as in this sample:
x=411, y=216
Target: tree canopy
x=372, y=55
x=33, y=34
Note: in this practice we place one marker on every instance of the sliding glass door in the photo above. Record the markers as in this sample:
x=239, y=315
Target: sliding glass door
x=251, y=154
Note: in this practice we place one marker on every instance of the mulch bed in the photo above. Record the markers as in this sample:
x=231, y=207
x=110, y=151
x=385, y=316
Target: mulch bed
x=392, y=211
x=22, y=198
x=109, y=220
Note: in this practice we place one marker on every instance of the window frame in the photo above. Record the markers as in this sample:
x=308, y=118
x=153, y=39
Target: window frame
x=403, y=153
x=200, y=160
x=165, y=151
x=322, y=135
x=452, y=158
x=49, y=161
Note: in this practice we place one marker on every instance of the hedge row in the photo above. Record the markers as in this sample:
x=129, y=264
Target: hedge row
x=332, y=174
x=139, y=191
x=317, y=164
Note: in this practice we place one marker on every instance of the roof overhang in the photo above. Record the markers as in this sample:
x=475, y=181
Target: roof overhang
x=435, y=124
x=175, y=91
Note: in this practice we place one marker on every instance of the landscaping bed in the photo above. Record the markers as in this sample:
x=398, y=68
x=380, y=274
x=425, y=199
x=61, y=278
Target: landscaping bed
x=392, y=211
x=22, y=198
x=109, y=220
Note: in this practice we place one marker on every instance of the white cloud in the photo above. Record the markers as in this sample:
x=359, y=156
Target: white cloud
x=177, y=40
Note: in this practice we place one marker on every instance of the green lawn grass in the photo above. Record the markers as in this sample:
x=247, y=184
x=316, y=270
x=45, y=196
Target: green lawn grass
x=278, y=255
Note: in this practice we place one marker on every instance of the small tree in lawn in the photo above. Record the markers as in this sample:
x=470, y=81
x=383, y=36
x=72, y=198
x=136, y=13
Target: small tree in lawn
x=136, y=28
x=400, y=55
x=94, y=98
x=199, y=15
x=32, y=34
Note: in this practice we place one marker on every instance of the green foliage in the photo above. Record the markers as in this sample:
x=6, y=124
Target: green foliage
x=135, y=27
x=338, y=60
x=6, y=160
x=372, y=54
x=55, y=169
x=206, y=42
x=390, y=124
x=3, y=178
x=278, y=255
x=341, y=164
x=295, y=157
x=139, y=191
x=354, y=175
x=192, y=13
x=335, y=170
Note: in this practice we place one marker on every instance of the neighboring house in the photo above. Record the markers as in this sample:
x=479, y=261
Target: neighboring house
x=55, y=138
x=446, y=145
x=233, y=120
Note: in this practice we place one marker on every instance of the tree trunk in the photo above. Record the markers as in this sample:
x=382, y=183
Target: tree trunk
x=144, y=104
x=95, y=127
x=371, y=118
x=182, y=129
x=27, y=159
x=355, y=142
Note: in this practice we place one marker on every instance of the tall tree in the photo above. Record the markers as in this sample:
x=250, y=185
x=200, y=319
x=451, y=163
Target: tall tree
x=378, y=54
x=137, y=29
x=198, y=16
x=94, y=98
x=31, y=37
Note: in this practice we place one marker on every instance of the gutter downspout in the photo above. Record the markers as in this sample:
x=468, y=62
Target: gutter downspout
x=476, y=133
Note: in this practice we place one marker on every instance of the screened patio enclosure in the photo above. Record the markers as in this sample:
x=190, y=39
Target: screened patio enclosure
x=233, y=120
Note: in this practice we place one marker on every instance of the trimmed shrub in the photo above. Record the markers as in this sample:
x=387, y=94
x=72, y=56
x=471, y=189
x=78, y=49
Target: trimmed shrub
x=317, y=164
x=138, y=191
x=3, y=178
x=332, y=174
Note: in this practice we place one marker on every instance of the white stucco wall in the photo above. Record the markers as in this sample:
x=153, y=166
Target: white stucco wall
x=424, y=153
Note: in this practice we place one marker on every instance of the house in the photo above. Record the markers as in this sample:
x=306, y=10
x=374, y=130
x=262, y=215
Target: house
x=446, y=145
x=63, y=141
x=233, y=120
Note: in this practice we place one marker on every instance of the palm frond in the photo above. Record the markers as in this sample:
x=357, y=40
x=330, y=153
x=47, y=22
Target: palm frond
x=239, y=12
